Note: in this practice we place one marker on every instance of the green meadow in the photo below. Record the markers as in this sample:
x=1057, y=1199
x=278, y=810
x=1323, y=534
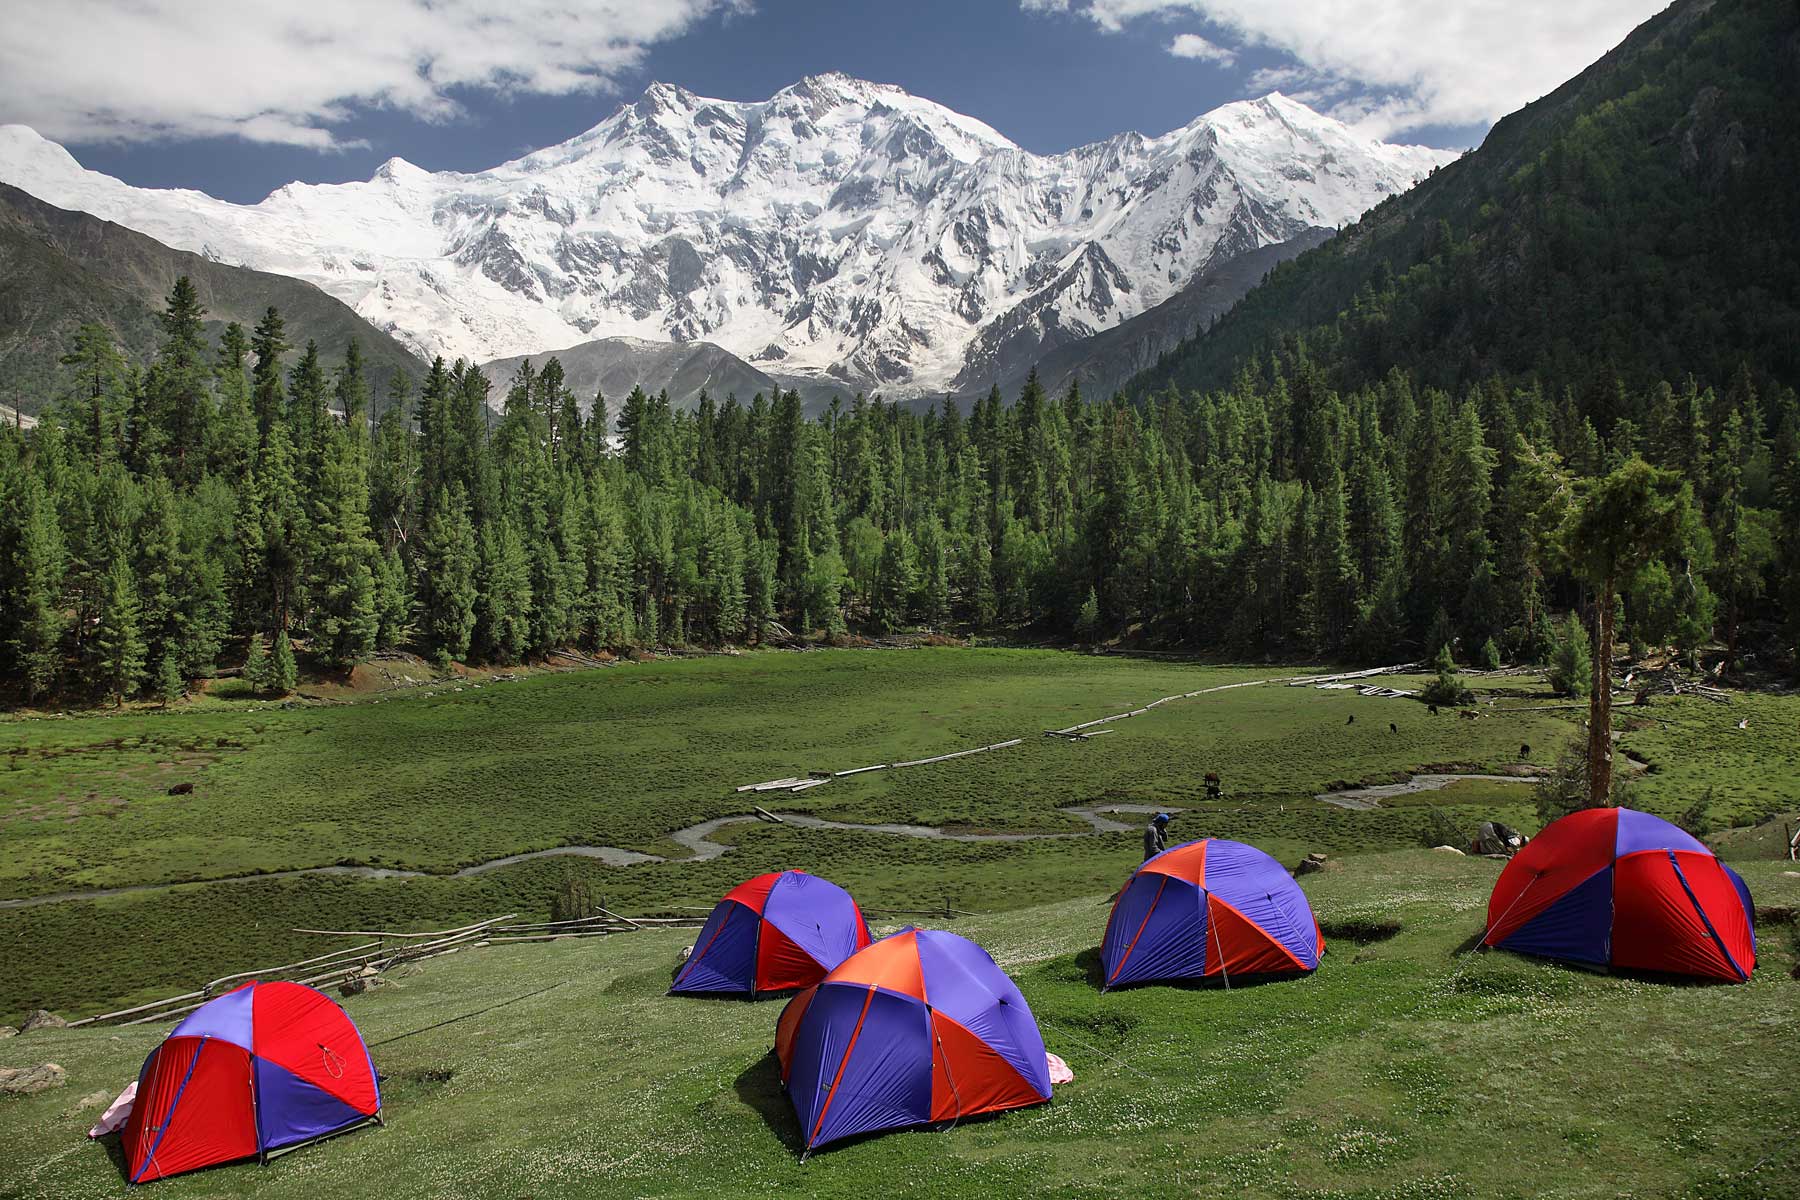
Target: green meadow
x=1406, y=1067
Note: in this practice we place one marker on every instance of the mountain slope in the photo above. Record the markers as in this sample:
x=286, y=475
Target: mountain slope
x=842, y=230
x=1107, y=360
x=1637, y=224
x=59, y=269
x=613, y=366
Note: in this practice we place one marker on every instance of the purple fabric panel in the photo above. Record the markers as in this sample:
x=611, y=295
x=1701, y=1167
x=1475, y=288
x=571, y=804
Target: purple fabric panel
x=1641, y=831
x=724, y=958
x=1171, y=944
x=1578, y=927
x=289, y=1109
x=1261, y=889
x=816, y=915
x=227, y=1018
x=886, y=1079
x=966, y=985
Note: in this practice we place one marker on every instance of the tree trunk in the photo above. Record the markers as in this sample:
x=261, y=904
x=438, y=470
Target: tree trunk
x=1600, y=703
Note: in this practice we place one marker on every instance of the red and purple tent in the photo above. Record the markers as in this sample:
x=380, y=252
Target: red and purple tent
x=265, y=1068
x=920, y=1027
x=1209, y=908
x=774, y=933
x=1614, y=887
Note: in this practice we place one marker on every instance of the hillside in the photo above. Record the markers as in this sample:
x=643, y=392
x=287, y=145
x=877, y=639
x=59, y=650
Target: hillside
x=1402, y=1069
x=59, y=269
x=1637, y=223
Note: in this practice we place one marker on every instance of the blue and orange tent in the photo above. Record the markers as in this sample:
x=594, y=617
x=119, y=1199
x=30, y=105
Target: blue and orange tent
x=1614, y=887
x=920, y=1027
x=265, y=1068
x=1209, y=908
x=774, y=933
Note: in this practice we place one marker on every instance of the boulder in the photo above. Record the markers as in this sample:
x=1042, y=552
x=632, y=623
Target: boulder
x=42, y=1019
x=29, y=1081
x=368, y=981
x=7, y=1031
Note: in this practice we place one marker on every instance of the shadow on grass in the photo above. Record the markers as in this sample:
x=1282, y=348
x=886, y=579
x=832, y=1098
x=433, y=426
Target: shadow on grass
x=759, y=1087
x=1665, y=978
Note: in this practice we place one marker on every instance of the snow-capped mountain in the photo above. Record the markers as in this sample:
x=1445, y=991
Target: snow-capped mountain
x=839, y=228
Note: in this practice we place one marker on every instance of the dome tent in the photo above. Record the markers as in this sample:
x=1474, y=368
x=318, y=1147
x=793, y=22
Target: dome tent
x=265, y=1068
x=922, y=1026
x=774, y=933
x=1614, y=887
x=1205, y=909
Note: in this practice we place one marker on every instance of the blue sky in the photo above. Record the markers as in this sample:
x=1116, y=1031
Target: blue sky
x=469, y=83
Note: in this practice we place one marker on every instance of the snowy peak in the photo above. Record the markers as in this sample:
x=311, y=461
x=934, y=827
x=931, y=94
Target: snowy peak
x=842, y=229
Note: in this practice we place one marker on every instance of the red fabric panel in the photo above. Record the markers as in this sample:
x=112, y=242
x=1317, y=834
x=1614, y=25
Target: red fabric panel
x=1656, y=926
x=1724, y=907
x=1246, y=949
x=304, y=1031
x=892, y=963
x=1183, y=862
x=967, y=1077
x=1567, y=853
x=753, y=892
x=791, y=1016
x=200, y=1095
x=780, y=964
x=863, y=936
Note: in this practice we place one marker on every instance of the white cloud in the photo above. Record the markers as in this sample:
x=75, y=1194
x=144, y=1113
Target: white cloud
x=1395, y=65
x=1192, y=45
x=285, y=72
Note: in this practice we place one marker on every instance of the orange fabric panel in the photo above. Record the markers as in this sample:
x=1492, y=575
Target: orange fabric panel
x=1183, y=862
x=892, y=963
x=202, y=1098
x=1246, y=949
x=791, y=1016
x=967, y=1077
x=780, y=964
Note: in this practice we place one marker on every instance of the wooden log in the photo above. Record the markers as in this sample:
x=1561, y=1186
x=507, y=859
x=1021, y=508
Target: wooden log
x=388, y=933
x=810, y=783
x=361, y=950
x=126, y=1012
x=766, y=815
x=861, y=770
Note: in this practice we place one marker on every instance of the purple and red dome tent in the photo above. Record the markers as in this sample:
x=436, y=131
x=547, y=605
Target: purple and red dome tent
x=1209, y=908
x=1614, y=887
x=922, y=1026
x=774, y=933
x=267, y=1067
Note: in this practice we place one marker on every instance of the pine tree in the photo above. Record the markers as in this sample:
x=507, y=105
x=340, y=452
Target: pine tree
x=1570, y=664
x=341, y=578
x=38, y=572
x=257, y=664
x=170, y=685
x=448, y=561
x=118, y=640
x=284, y=673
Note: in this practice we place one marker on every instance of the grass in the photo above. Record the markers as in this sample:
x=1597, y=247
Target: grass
x=440, y=778
x=1401, y=1069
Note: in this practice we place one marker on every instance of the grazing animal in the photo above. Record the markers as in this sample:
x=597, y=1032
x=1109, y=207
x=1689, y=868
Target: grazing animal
x=182, y=789
x=1393, y=727
x=1744, y=724
x=1433, y=710
x=1468, y=714
x=1524, y=749
x=1352, y=719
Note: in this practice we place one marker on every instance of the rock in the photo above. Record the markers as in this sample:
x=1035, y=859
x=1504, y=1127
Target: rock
x=91, y=1100
x=368, y=981
x=1316, y=856
x=29, y=1081
x=1774, y=914
x=1309, y=866
x=42, y=1019
x=1451, y=849
x=182, y=789
x=7, y=1031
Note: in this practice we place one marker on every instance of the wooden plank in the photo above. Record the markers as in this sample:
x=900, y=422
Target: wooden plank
x=388, y=933
x=861, y=770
